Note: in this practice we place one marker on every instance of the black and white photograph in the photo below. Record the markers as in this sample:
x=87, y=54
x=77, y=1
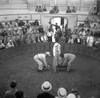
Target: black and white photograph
x=49, y=48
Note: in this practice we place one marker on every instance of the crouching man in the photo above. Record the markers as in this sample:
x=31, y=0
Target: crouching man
x=66, y=60
x=41, y=59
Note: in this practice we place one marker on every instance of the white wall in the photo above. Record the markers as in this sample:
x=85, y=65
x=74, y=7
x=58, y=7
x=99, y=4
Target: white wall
x=44, y=18
x=72, y=19
x=3, y=2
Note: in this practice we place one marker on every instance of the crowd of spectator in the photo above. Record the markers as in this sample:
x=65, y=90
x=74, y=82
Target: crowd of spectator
x=46, y=88
x=55, y=9
x=21, y=32
x=40, y=8
x=71, y=9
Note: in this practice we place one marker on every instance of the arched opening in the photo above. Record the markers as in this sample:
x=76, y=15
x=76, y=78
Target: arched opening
x=61, y=21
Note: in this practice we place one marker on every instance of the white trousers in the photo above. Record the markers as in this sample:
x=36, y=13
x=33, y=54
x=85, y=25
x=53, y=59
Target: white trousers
x=71, y=60
x=40, y=63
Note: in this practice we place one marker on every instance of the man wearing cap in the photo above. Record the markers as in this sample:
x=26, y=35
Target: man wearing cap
x=41, y=60
x=66, y=60
x=46, y=88
x=62, y=93
x=56, y=55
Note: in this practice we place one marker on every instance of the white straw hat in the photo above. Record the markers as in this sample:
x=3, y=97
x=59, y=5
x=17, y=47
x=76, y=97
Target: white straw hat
x=56, y=44
x=46, y=86
x=71, y=95
x=62, y=93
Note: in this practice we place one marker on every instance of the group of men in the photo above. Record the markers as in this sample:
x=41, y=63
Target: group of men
x=59, y=59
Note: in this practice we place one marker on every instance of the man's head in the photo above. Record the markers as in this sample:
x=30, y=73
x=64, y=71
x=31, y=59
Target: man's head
x=62, y=55
x=47, y=53
x=13, y=84
x=19, y=94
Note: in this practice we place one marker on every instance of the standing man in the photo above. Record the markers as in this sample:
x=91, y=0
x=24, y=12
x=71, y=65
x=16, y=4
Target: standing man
x=66, y=60
x=41, y=60
x=56, y=55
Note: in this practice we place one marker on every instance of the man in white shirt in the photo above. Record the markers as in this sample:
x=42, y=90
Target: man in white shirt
x=10, y=44
x=2, y=46
x=90, y=41
x=41, y=60
x=49, y=35
x=56, y=55
x=66, y=60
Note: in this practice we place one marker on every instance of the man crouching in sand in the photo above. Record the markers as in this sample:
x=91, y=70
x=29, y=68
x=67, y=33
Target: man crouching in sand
x=41, y=60
x=66, y=60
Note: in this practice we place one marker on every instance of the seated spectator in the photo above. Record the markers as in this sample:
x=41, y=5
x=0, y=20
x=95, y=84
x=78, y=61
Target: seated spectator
x=78, y=40
x=1, y=25
x=82, y=32
x=68, y=10
x=39, y=9
x=71, y=95
x=62, y=93
x=70, y=40
x=10, y=44
x=52, y=11
x=40, y=29
x=21, y=23
x=73, y=10
x=96, y=46
x=94, y=11
x=56, y=9
x=10, y=33
x=46, y=88
x=44, y=38
x=2, y=46
x=10, y=24
x=11, y=93
x=29, y=30
x=27, y=23
x=44, y=8
x=4, y=33
x=36, y=9
x=36, y=23
x=20, y=94
x=15, y=23
x=6, y=25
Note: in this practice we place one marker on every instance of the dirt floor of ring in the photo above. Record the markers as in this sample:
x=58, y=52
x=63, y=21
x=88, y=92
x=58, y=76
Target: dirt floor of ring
x=84, y=76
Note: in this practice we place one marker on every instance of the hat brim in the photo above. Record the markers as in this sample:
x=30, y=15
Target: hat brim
x=46, y=89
